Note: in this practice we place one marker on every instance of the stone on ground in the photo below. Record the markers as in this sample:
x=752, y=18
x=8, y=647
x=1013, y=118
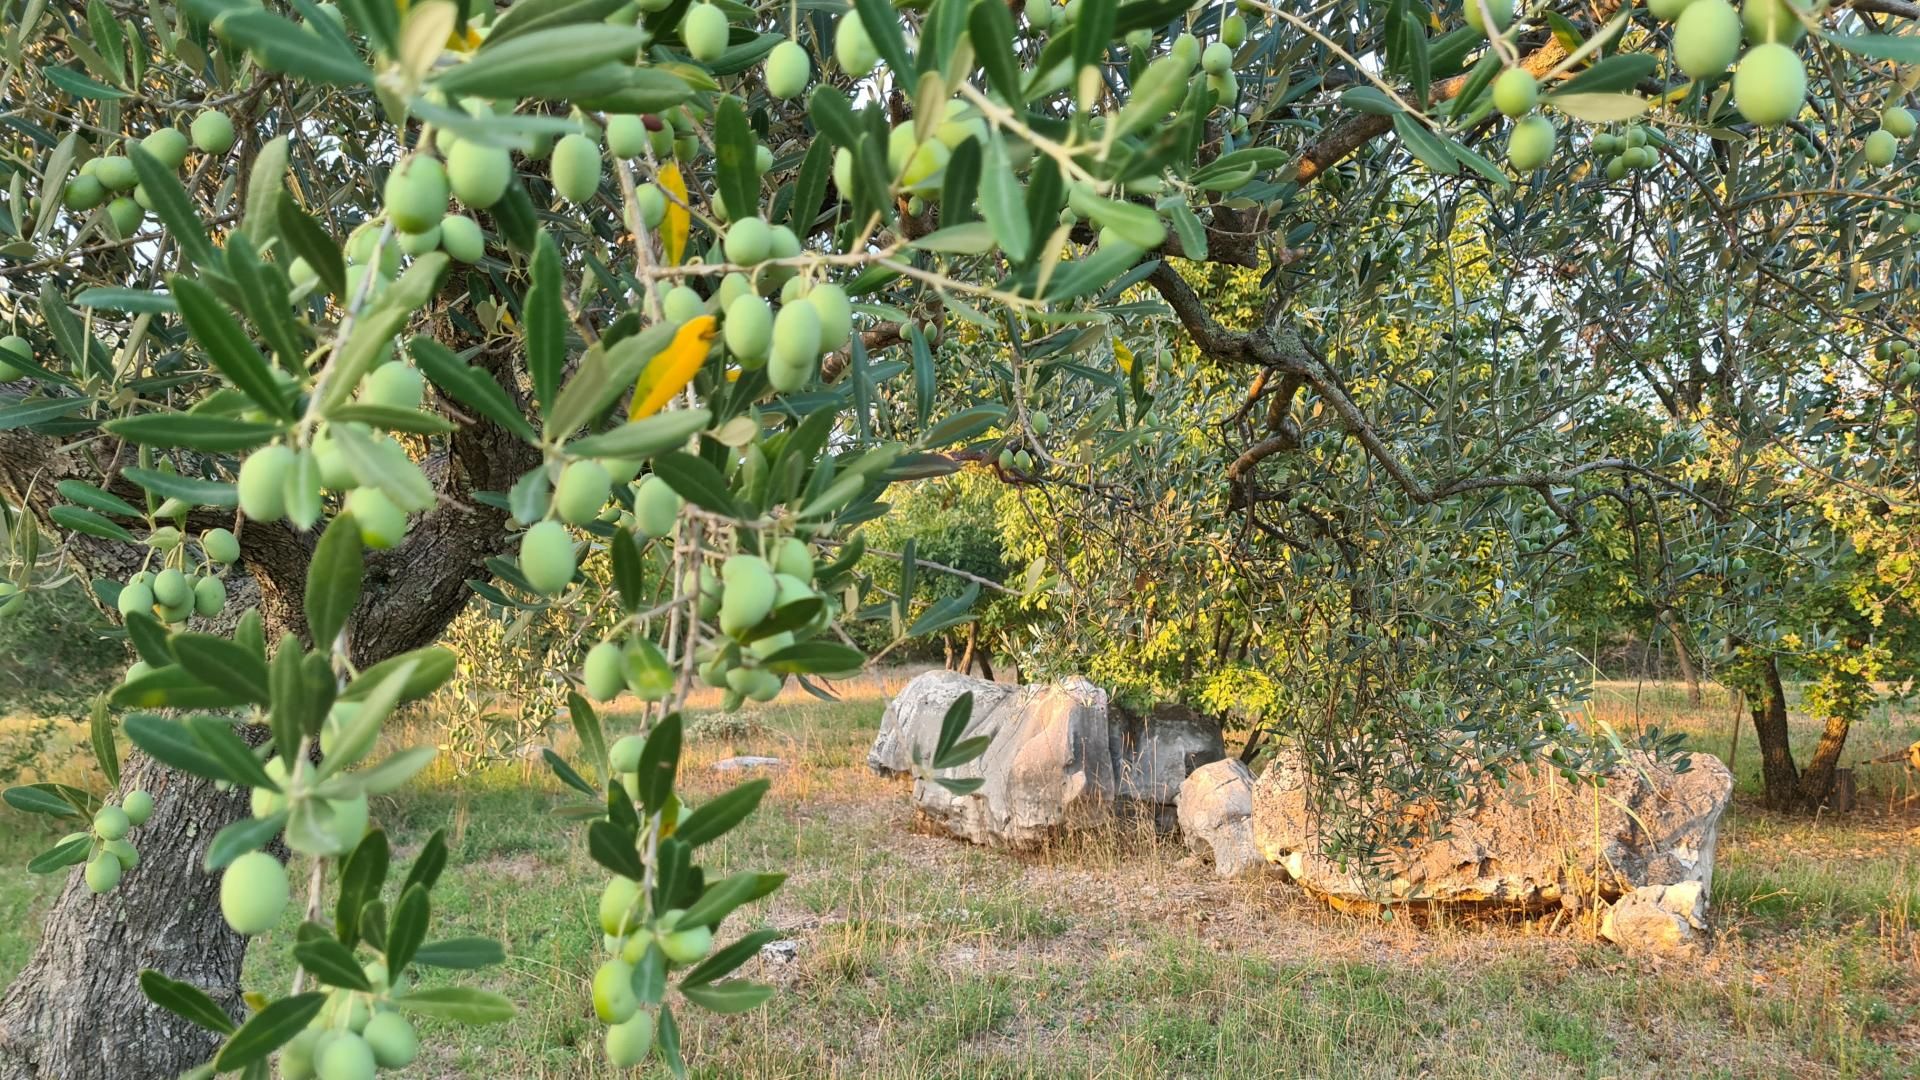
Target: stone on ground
x=1216, y=816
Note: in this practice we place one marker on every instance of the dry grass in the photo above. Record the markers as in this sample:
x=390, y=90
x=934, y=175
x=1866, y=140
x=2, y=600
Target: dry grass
x=1119, y=955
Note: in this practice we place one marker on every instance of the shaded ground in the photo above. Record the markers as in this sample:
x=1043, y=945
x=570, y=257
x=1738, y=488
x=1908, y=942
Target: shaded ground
x=1120, y=956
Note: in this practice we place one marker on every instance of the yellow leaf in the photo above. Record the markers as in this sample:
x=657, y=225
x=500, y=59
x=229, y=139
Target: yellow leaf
x=673, y=367
x=673, y=228
x=1124, y=355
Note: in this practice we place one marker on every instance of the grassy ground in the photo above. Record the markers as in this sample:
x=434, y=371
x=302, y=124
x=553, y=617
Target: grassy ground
x=1120, y=956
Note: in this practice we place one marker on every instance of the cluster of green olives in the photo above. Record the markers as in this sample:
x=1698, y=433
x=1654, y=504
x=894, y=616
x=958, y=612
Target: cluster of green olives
x=112, y=853
x=356, y=1034
x=110, y=179
x=175, y=594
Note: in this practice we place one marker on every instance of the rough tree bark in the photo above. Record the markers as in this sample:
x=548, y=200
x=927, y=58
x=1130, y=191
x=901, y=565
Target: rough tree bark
x=1779, y=778
x=76, y=1011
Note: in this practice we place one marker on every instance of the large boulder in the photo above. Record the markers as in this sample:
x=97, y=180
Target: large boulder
x=1216, y=817
x=1535, y=842
x=1059, y=759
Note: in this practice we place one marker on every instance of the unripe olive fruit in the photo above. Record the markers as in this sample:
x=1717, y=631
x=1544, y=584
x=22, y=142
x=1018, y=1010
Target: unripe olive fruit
x=171, y=588
x=1500, y=10
x=613, y=1000
x=103, y=872
x=581, y=492
x=688, y=946
x=1771, y=21
x=1233, y=30
x=478, y=174
x=1515, y=92
x=209, y=596
x=1667, y=10
x=787, y=70
x=253, y=893
x=346, y=1056
x=135, y=598
x=546, y=557
x=1706, y=38
x=266, y=802
x=349, y=822
x=829, y=301
x=123, y=851
x=749, y=593
x=749, y=332
x=461, y=238
x=212, y=132
x=420, y=243
x=748, y=241
x=1897, y=120
x=111, y=823
x=220, y=546
x=624, y=757
x=656, y=506
x=682, y=303
x=626, y=135
x=262, y=483
x=126, y=215
x=1217, y=58
x=381, y=523
x=83, y=193
x=14, y=347
x=621, y=894
x=296, y=1057
x=1771, y=83
x=116, y=173
x=391, y=1039
x=652, y=204
x=629, y=1043
x=795, y=347
x=576, y=168
x=395, y=385
x=853, y=49
x=167, y=146
x=138, y=806
x=704, y=30
x=1880, y=146
x=415, y=195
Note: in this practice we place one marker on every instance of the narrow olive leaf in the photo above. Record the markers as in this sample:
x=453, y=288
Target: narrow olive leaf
x=175, y=210
x=190, y=490
x=215, y=735
x=945, y=612
x=510, y=68
x=460, y=1004
x=268, y=1030
x=407, y=929
x=529, y=15
x=361, y=876
x=613, y=848
x=428, y=864
x=464, y=954
x=71, y=852
x=247, y=834
x=116, y=298
x=227, y=345
x=1002, y=203
x=170, y=743
x=644, y=438
x=230, y=666
x=333, y=580
x=811, y=186
x=28, y=414
x=105, y=750
x=84, y=354
x=33, y=800
x=172, y=687
x=567, y=774
x=660, y=763
x=954, y=723
x=393, y=418
x=87, y=495
x=546, y=321
x=53, y=181
x=586, y=723
x=736, y=165
x=990, y=26
x=697, y=481
x=265, y=181
x=279, y=45
x=395, y=770
x=186, y=1001
x=432, y=666
x=81, y=520
x=883, y=27
x=332, y=964
x=74, y=84
x=267, y=303
x=714, y=818
x=734, y=995
x=723, y=962
x=308, y=240
x=191, y=431
x=468, y=385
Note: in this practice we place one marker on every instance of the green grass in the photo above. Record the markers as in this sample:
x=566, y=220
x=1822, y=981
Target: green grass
x=1115, y=956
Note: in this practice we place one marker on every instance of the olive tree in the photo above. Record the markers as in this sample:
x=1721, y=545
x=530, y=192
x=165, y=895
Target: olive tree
x=326, y=318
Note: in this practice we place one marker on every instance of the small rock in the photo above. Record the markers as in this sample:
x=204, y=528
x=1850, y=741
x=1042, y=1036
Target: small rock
x=1216, y=816
x=734, y=764
x=783, y=951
